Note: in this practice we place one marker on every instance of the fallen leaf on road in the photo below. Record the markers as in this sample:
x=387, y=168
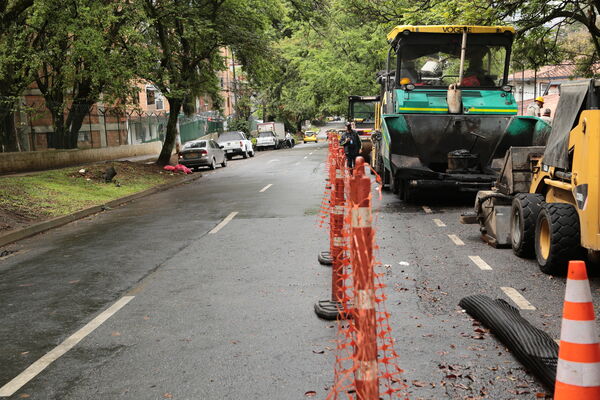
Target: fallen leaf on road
x=167, y=396
x=74, y=281
x=115, y=333
x=310, y=393
x=419, y=383
x=23, y=353
x=146, y=317
x=26, y=284
x=24, y=396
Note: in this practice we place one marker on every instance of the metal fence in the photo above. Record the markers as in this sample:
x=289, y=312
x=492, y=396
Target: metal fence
x=196, y=126
x=101, y=127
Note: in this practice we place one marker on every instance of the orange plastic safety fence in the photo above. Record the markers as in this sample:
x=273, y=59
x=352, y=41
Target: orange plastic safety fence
x=325, y=208
x=366, y=366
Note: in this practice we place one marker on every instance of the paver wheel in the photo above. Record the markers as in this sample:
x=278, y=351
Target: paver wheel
x=523, y=217
x=395, y=183
x=557, y=237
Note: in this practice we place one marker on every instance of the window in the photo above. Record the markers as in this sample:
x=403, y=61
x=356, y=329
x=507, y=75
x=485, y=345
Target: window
x=150, y=99
x=434, y=60
x=225, y=136
x=194, y=145
x=363, y=111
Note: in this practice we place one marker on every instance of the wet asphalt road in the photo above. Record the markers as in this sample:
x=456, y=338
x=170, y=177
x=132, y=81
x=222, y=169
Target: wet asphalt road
x=228, y=314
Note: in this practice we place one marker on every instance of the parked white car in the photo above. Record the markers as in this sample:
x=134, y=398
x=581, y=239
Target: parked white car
x=266, y=140
x=235, y=144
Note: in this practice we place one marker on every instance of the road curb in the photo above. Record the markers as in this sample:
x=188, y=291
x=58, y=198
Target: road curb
x=16, y=235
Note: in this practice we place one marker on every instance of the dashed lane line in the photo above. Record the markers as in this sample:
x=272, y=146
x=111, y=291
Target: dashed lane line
x=427, y=210
x=456, y=240
x=439, y=222
x=265, y=188
x=34, y=369
x=224, y=222
x=517, y=298
x=480, y=263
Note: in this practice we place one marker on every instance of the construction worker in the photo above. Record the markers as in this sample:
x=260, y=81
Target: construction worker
x=535, y=107
x=352, y=145
x=546, y=116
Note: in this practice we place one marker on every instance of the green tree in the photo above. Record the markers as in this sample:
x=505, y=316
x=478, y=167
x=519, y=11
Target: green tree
x=79, y=59
x=325, y=53
x=15, y=60
x=185, y=40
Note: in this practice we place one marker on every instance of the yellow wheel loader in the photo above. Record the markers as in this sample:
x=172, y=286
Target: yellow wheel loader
x=545, y=203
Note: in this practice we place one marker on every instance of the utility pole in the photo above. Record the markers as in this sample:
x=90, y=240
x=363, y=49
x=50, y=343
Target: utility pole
x=234, y=85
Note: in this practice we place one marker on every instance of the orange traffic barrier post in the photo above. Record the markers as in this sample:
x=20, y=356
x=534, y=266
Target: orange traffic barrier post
x=365, y=350
x=325, y=257
x=578, y=369
x=332, y=309
x=366, y=362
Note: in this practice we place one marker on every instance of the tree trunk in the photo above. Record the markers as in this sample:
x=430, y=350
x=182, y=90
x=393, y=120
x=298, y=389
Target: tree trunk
x=57, y=138
x=169, y=144
x=75, y=119
x=8, y=135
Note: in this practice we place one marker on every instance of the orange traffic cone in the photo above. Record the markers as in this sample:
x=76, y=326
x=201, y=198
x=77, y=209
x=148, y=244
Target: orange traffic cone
x=578, y=370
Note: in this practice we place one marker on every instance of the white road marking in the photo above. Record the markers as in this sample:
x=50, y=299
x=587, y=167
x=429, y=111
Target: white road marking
x=265, y=188
x=273, y=160
x=480, y=263
x=456, y=240
x=427, y=210
x=517, y=298
x=310, y=154
x=224, y=222
x=34, y=369
x=305, y=157
x=439, y=222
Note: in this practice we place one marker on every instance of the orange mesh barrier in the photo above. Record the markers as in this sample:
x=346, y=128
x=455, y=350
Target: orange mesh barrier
x=331, y=165
x=366, y=366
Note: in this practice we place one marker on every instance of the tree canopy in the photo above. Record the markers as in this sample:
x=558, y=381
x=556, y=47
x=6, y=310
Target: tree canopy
x=301, y=59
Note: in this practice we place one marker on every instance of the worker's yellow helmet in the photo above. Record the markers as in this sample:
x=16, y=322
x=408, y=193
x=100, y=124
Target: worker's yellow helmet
x=540, y=99
x=404, y=81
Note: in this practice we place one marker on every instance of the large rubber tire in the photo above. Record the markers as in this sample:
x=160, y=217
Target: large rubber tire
x=557, y=237
x=213, y=164
x=386, y=179
x=523, y=217
x=224, y=163
x=407, y=193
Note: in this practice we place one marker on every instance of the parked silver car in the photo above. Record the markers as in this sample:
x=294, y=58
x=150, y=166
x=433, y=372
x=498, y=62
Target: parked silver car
x=202, y=153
